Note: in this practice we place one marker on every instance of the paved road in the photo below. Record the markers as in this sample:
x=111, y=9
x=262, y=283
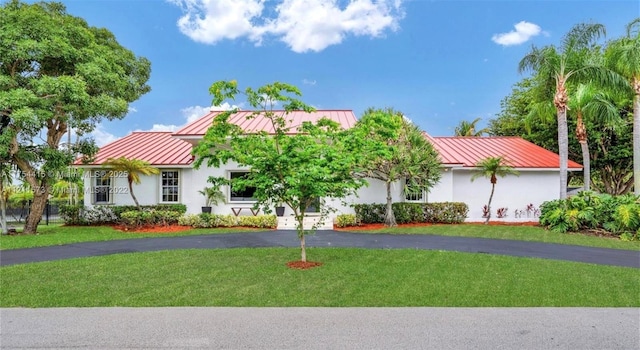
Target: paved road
x=604, y=256
x=321, y=328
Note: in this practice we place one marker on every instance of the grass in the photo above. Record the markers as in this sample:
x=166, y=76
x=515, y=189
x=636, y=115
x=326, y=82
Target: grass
x=58, y=234
x=349, y=277
x=520, y=233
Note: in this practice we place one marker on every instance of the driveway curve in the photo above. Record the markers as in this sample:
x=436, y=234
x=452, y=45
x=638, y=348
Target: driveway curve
x=328, y=238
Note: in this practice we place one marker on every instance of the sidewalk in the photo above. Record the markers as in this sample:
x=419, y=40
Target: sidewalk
x=321, y=328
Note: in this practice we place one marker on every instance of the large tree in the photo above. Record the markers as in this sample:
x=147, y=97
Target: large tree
x=295, y=165
x=134, y=168
x=624, y=57
x=491, y=168
x=57, y=73
x=610, y=148
x=555, y=67
x=393, y=149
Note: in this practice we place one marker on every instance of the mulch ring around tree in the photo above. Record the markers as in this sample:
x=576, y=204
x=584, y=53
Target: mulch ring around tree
x=303, y=265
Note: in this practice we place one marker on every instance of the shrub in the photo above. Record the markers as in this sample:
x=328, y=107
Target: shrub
x=72, y=214
x=445, y=212
x=138, y=218
x=406, y=213
x=588, y=210
x=370, y=213
x=346, y=220
x=206, y=220
x=100, y=215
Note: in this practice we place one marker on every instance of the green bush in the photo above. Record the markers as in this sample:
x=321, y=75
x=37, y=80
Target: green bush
x=407, y=213
x=619, y=215
x=72, y=214
x=370, y=213
x=346, y=220
x=446, y=212
x=119, y=209
x=138, y=218
x=206, y=220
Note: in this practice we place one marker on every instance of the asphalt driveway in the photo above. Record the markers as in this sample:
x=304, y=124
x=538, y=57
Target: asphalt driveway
x=285, y=238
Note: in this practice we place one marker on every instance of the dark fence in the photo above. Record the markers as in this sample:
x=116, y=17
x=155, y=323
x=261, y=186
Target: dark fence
x=17, y=214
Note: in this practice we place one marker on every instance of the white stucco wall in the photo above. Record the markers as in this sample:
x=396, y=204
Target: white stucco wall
x=512, y=192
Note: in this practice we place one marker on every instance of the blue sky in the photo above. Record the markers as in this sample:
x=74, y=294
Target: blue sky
x=439, y=62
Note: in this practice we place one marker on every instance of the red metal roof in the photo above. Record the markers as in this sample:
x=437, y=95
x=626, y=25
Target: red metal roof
x=157, y=148
x=518, y=152
x=345, y=118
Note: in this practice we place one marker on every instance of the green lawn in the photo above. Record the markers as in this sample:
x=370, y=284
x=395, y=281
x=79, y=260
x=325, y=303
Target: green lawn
x=521, y=233
x=57, y=234
x=349, y=277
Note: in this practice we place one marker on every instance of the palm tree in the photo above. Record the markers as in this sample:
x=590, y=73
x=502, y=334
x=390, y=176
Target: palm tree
x=492, y=167
x=590, y=102
x=623, y=55
x=466, y=128
x=558, y=66
x=134, y=168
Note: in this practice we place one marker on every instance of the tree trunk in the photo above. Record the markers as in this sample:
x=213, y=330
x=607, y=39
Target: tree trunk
x=389, y=217
x=135, y=200
x=493, y=187
x=581, y=134
x=36, y=210
x=300, y=230
x=636, y=138
x=303, y=249
x=586, y=165
x=560, y=101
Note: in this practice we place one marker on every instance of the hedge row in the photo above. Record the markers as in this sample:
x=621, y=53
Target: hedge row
x=405, y=213
x=110, y=214
x=206, y=220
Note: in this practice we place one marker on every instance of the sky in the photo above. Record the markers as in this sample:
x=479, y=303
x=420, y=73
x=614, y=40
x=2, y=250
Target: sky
x=438, y=62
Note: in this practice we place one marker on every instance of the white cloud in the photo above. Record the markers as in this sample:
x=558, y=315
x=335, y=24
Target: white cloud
x=524, y=31
x=304, y=25
x=102, y=136
x=308, y=82
x=132, y=109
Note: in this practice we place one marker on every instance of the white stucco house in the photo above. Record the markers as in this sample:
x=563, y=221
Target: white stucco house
x=179, y=182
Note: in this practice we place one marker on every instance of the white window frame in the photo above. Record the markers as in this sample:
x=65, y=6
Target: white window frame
x=99, y=175
x=162, y=186
x=229, y=192
x=413, y=197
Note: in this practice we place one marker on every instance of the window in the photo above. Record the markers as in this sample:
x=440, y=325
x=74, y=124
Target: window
x=169, y=186
x=314, y=207
x=237, y=194
x=413, y=192
x=101, y=187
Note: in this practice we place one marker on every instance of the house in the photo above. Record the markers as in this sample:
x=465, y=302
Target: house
x=179, y=182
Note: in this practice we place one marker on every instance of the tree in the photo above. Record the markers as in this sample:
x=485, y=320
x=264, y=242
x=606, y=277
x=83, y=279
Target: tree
x=558, y=66
x=610, y=150
x=56, y=74
x=624, y=57
x=466, y=128
x=295, y=165
x=392, y=148
x=492, y=167
x=134, y=168
x=589, y=101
